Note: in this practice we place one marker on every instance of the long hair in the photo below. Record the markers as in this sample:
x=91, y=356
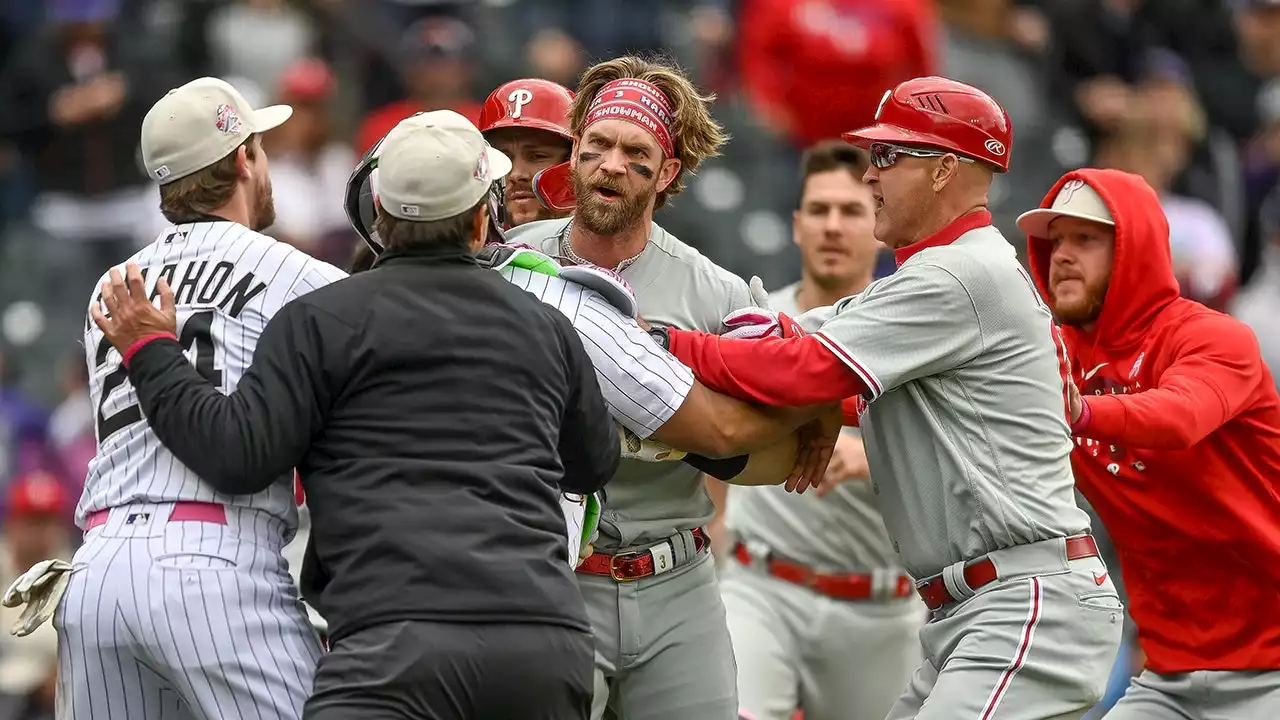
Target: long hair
x=696, y=134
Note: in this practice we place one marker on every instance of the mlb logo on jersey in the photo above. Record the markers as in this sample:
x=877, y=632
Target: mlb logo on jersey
x=228, y=120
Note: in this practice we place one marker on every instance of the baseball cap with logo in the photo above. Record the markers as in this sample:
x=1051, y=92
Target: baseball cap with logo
x=435, y=165
x=1076, y=199
x=198, y=124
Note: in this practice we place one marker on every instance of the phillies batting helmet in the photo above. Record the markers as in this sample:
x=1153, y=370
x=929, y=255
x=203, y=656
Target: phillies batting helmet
x=531, y=103
x=941, y=113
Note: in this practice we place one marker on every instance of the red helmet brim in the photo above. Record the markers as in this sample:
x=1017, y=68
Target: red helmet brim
x=863, y=137
x=531, y=124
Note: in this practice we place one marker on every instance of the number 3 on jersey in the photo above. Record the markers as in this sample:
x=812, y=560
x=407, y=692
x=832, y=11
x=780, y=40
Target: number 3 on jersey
x=197, y=333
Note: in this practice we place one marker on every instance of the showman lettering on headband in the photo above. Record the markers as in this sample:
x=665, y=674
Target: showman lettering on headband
x=637, y=102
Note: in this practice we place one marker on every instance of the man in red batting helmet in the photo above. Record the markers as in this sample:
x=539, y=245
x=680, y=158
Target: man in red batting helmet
x=528, y=120
x=954, y=371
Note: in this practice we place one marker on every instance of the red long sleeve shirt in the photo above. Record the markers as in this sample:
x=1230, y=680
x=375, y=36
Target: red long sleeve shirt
x=1178, y=451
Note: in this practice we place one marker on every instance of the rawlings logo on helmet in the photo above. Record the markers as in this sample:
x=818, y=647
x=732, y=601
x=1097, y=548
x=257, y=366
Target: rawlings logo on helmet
x=994, y=146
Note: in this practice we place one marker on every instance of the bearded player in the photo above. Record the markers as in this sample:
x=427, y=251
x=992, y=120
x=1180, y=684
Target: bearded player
x=1177, y=448
x=662, y=644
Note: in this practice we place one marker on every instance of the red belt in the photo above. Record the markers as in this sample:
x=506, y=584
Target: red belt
x=849, y=586
x=935, y=594
x=185, y=511
x=628, y=566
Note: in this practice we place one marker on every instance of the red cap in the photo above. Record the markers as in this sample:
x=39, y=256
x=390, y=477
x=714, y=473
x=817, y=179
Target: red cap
x=941, y=113
x=531, y=103
x=36, y=493
x=307, y=79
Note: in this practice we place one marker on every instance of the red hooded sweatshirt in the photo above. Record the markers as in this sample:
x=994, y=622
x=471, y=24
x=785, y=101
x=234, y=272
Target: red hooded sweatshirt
x=1178, y=450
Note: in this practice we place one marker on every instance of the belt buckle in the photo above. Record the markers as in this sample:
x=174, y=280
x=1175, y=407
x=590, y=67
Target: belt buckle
x=615, y=559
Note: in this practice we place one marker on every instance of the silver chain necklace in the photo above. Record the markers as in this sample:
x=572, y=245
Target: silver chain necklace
x=566, y=249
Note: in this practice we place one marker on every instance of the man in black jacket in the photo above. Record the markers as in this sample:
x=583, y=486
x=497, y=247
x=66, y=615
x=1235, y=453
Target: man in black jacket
x=433, y=411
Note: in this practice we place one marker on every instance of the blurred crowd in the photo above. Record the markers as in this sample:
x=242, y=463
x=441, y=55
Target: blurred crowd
x=1184, y=92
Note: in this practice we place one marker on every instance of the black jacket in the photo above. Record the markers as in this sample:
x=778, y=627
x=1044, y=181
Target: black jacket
x=433, y=411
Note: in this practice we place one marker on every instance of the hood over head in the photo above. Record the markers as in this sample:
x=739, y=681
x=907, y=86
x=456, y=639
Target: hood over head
x=1142, y=279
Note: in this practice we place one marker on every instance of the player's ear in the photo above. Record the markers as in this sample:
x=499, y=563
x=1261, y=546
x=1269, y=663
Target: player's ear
x=480, y=230
x=944, y=171
x=667, y=172
x=243, y=169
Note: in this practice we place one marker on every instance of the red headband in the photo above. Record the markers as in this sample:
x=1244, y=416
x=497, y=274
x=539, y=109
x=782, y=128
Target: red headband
x=637, y=102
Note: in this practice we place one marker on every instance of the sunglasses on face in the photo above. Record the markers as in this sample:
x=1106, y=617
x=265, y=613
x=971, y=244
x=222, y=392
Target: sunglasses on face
x=884, y=155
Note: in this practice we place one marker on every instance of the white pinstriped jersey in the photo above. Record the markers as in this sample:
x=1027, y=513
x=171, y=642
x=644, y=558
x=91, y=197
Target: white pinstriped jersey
x=643, y=385
x=228, y=281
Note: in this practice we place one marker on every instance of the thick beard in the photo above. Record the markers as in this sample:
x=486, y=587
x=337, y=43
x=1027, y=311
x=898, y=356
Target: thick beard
x=264, y=207
x=1084, y=312
x=610, y=219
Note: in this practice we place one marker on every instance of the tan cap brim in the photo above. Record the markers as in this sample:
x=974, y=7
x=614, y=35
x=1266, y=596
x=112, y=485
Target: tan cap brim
x=272, y=116
x=1035, y=223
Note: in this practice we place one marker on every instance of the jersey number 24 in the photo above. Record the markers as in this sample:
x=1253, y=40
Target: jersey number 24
x=197, y=332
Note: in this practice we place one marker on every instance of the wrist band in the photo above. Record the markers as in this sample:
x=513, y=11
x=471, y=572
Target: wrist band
x=137, y=345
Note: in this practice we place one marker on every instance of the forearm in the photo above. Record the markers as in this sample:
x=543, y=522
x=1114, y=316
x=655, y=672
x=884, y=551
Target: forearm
x=770, y=371
x=718, y=426
x=770, y=465
x=223, y=439
x=1154, y=419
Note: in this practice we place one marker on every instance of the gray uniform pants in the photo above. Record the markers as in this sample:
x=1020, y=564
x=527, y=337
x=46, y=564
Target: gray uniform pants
x=1033, y=645
x=1201, y=695
x=834, y=659
x=662, y=646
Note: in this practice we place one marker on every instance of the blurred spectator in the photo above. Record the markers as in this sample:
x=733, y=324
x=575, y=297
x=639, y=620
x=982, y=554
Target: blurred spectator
x=310, y=167
x=1157, y=147
x=814, y=69
x=35, y=528
x=71, y=426
x=1230, y=81
x=437, y=59
x=23, y=428
x=72, y=98
x=992, y=44
x=1258, y=305
x=1100, y=47
x=258, y=40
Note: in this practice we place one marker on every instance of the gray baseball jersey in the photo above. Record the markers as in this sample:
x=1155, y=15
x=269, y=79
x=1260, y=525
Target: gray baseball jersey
x=228, y=281
x=965, y=425
x=842, y=532
x=677, y=286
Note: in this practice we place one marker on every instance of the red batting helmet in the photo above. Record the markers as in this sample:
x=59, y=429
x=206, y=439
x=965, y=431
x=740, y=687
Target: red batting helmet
x=941, y=113
x=531, y=103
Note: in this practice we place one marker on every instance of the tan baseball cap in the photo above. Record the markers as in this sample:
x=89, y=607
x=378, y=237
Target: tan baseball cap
x=435, y=165
x=1075, y=199
x=198, y=124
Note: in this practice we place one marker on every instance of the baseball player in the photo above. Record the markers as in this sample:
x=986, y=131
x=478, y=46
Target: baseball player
x=655, y=400
x=528, y=120
x=1177, y=448
x=821, y=613
x=179, y=603
x=957, y=383
x=662, y=645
